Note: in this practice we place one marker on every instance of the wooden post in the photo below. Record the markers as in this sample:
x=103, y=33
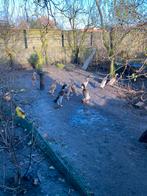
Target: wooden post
x=41, y=77
x=25, y=38
x=62, y=36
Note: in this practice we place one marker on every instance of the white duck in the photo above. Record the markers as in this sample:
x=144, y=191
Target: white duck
x=104, y=81
x=113, y=80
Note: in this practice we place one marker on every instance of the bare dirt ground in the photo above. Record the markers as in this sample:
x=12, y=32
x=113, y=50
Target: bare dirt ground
x=100, y=140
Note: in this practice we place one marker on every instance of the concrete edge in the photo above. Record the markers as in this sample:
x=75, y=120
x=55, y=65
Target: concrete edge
x=60, y=164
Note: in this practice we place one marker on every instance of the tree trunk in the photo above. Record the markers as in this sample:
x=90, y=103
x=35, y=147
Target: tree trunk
x=46, y=58
x=76, y=58
x=11, y=60
x=112, y=67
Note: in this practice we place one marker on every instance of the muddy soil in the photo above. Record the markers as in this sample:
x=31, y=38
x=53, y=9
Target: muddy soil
x=100, y=140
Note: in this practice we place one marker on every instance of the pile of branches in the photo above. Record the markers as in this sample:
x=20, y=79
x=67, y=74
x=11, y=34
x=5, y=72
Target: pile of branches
x=11, y=140
x=137, y=98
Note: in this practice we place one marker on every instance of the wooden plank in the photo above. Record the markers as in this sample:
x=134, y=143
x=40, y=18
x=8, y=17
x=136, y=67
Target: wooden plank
x=89, y=59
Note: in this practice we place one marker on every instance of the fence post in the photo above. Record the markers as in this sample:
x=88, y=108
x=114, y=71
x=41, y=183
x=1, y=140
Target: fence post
x=25, y=38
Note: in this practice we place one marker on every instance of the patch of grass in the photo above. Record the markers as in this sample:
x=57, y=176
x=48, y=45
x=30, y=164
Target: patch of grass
x=60, y=65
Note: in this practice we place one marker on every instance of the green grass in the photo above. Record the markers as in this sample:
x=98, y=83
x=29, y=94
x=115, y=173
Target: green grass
x=60, y=65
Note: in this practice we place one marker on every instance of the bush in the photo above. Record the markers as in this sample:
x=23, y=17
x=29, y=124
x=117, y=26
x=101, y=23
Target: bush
x=36, y=60
x=33, y=59
x=60, y=65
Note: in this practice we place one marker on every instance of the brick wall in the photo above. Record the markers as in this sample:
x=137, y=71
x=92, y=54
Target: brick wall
x=58, y=48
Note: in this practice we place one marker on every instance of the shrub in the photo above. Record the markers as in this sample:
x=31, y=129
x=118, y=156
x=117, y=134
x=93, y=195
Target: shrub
x=33, y=59
x=36, y=60
x=60, y=65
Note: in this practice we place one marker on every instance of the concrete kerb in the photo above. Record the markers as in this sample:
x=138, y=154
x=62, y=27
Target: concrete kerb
x=60, y=164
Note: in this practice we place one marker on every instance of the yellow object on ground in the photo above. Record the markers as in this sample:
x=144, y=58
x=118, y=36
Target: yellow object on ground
x=20, y=113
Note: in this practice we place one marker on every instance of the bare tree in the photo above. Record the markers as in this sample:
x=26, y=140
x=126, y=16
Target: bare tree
x=77, y=17
x=8, y=32
x=118, y=19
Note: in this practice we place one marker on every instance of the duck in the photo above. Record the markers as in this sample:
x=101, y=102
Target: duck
x=7, y=96
x=104, y=81
x=20, y=113
x=112, y=80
